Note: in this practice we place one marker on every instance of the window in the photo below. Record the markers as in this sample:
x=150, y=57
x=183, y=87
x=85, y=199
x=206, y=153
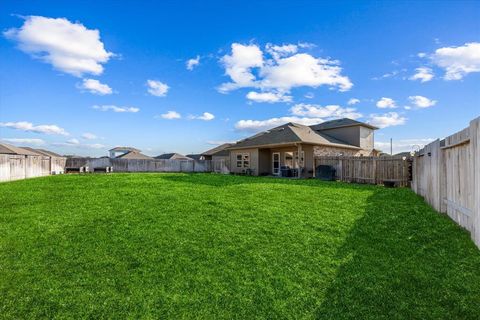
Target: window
x=243, y=160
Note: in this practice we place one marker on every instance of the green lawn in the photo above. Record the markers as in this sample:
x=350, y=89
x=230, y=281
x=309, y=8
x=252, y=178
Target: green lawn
x=220, y=247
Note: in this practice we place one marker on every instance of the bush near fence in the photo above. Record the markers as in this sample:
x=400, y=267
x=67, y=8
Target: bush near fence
x=447, y=175
x=372, y=170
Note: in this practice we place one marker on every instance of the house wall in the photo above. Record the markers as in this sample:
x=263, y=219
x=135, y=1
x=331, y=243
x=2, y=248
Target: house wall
x=266, y=164
x=366, y=138
x=334, y=151
x=358, y=136
x=351, y=135
x=253, y=152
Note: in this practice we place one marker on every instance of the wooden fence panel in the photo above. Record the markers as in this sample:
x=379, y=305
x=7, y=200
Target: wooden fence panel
x=372, y=170
x=150, y=165
x=446, y=174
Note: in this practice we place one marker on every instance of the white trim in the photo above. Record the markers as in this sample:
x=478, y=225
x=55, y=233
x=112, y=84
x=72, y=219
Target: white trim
x=273, y=161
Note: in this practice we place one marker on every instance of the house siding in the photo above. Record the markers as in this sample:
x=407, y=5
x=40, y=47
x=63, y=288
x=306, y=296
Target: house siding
x=253, y=160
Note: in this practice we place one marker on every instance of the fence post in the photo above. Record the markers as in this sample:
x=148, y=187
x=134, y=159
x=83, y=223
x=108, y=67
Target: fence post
x=374, y=169
x=475, y=154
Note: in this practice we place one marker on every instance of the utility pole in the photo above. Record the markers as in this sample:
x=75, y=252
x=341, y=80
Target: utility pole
x=391, y=147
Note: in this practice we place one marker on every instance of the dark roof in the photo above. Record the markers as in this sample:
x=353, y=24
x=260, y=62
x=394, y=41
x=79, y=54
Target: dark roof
x=338, y=123
x=291, y=133
x=124, y=149
x=194, y=156
x=172, y=156
x=44, y=152
x=134, y=156
x=220, y=150
x=6, y=148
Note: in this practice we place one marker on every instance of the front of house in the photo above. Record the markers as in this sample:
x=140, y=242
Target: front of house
x=295, y=146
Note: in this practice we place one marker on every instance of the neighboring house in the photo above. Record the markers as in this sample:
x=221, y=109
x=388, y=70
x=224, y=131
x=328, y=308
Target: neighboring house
x=48, y=160
x=9, y=149
x=220, y=152
x=295, y=145
x=172, y=156
x=123, y=150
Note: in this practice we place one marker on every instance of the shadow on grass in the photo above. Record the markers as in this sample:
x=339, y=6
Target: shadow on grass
x=403, y=260
x=220, y=180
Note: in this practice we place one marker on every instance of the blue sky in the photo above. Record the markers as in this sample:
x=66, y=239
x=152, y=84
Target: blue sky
x=81, y=77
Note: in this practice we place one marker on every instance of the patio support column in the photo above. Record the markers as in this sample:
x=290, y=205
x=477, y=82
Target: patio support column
x=300, y=162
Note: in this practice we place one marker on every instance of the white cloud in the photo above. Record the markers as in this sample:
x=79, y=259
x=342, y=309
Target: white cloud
x=76, y=144
x=206, y=116
x=330, y=111
x=96, y=87
x=282, y=69
x=389, y=119
x=27, y=141
x=260, y=125
x=170, y=115
x=353, y=101
x=89, y=136
x=404, y=145
x=301, y=70
x=458, y=61
x=423, y=74
x=422, y=102
x=238, y=66
x=386, y=103
x=421, y=55
x=116, y=109
x=218, y=142
x=270, y=97
x=157, y=88
x=68, y=47
x=309, y=95
x=191, y=63
x=28, y=126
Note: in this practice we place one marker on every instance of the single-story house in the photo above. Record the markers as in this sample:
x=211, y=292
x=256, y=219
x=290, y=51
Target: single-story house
x=220, y=152
x=295, y=146
x=172, y=156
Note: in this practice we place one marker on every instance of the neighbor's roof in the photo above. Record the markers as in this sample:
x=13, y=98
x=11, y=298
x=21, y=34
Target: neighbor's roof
x=134, y=155
x=124, y=149
x=345, y=122
x=6, y=148
x=44, y=152
x=194, y=156
x=291, y=133
x=172, y=156
x=220, y=150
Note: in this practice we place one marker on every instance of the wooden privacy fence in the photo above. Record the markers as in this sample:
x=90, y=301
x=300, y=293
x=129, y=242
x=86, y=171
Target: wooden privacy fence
x=15, y=167
x=150, y=165
x=373, y=170
x=447, y=174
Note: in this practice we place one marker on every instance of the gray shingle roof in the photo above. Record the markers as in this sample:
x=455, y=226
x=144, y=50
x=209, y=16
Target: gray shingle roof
x=44, y=152
x=133, y=155
x=6, y=148
x=345, y=122
x=291, y=133
x=172, y=156
x=220, y=150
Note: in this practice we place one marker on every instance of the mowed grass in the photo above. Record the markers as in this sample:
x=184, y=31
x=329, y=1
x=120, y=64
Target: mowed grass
x=207, y=246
